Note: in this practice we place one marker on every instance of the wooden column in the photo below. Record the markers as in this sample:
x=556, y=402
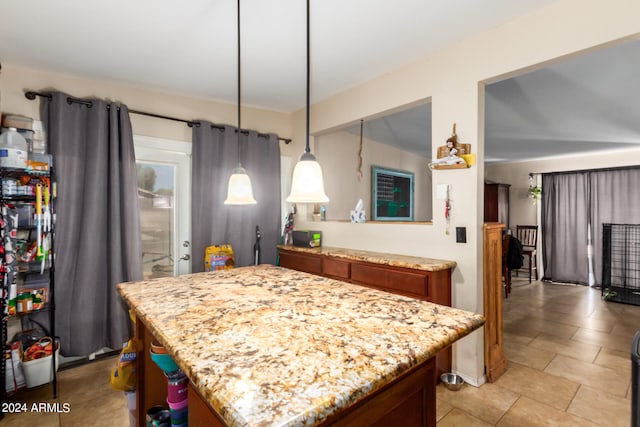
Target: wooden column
x=494, y=361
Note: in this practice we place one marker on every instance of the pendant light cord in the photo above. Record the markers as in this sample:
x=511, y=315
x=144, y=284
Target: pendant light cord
x=239, y=128
x=306, y=148
x=359, y=168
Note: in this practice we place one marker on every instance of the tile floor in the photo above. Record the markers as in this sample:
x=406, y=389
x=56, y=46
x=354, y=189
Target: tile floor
x=86, y=390
x=568, y=355
x=568, y=365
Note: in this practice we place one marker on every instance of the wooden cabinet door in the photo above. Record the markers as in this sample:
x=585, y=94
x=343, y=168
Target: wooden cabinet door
x=301, y=262
x=336, y=268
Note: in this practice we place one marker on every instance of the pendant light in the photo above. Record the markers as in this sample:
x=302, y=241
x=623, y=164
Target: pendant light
x=307, y=185
x=239, y=191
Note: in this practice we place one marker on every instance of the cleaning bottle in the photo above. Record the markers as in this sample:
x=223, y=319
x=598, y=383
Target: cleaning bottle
x=13, y=149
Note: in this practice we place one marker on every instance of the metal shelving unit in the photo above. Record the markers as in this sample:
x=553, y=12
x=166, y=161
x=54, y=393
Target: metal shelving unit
x=25, y=268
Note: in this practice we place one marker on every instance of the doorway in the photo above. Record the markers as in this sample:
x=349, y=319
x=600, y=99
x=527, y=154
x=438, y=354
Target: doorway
x=164, y=182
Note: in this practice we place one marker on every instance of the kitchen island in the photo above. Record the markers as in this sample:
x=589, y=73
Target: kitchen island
x=271, y=346
x=416, y=277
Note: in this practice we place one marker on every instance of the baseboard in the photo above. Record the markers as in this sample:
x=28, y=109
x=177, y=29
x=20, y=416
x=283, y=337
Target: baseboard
x=86, y=360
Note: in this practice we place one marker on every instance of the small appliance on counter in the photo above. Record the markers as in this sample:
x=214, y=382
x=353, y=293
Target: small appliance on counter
x=307, y=238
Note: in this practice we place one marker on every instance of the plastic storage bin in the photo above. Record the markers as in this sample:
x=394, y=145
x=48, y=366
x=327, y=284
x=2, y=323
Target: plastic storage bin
x=38, y=372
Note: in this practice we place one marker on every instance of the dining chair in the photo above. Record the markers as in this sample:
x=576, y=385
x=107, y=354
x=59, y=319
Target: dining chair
x=528, y=236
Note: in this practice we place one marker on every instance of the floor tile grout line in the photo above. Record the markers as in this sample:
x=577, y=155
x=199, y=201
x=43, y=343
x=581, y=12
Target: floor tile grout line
x=507, y=411
x=573, y=397
x=555, y=355
x=597, y=354
x=576, y=415
x=447, y=413
x=539, y=401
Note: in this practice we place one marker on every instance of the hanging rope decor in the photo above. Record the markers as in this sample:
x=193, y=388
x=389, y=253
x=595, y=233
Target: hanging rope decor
x=359, y=169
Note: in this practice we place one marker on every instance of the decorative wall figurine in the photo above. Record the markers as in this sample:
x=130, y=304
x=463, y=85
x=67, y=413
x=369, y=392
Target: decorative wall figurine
x=449, y=154
x=453, y=155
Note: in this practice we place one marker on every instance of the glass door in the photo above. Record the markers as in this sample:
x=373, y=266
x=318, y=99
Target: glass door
x=164, y=196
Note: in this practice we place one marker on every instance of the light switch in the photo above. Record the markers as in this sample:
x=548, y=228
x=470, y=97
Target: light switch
x=461, y=234
x=441, y=191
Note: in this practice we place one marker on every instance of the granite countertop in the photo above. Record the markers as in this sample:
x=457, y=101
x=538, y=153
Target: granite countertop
x=406, y=261
x=270, y=346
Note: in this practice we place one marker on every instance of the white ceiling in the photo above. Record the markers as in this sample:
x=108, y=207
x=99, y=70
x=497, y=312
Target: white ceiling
x=189, y=47
x=408, y=130
x=586, y=103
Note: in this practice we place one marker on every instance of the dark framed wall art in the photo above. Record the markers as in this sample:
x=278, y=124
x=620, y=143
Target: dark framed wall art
x=391, y=194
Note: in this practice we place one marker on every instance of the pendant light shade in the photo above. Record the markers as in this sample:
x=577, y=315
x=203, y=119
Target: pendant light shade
x=239, y=191
x=307, y=184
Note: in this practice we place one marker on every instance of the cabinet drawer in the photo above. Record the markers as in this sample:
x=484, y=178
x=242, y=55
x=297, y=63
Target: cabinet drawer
x=336, y=268
x=368, y=275
x=307, y=263
x=401, y=282
x=410, y=283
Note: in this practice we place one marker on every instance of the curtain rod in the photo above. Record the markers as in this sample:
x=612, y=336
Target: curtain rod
x=609, y=169
x=31, y=95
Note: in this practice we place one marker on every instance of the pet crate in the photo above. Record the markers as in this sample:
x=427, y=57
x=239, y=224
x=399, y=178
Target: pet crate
x=621, y=263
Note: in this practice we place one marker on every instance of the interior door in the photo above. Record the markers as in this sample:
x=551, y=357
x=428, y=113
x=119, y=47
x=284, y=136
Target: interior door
x=164, y=195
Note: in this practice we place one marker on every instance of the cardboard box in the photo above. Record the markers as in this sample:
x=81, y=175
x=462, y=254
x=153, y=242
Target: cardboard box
x=17, y=121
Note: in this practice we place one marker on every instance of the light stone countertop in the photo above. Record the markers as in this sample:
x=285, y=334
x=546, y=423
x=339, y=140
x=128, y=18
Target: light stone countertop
x=406, y=261
x=270, y=346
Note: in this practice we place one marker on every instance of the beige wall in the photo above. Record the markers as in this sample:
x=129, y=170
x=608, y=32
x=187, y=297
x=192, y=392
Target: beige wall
x=521, y=210
x=337, y=152
x=453, y=79
x=15, y=80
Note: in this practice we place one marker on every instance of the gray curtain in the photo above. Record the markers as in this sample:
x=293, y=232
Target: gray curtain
x=573, y=202
x=214, y=155
x=615, y=198
x=97, y=239
x=564, y=227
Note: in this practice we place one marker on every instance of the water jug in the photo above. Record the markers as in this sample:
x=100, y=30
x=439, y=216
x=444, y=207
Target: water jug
x=13, y=149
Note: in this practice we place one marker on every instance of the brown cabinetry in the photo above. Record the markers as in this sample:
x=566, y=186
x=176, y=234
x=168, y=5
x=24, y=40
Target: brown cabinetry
x=401, y=282
x=432, y=286
x=335, y=268
x=301, y=262
x=496, y=203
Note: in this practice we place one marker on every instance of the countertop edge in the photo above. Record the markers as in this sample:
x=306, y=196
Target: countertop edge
x=395, y=260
